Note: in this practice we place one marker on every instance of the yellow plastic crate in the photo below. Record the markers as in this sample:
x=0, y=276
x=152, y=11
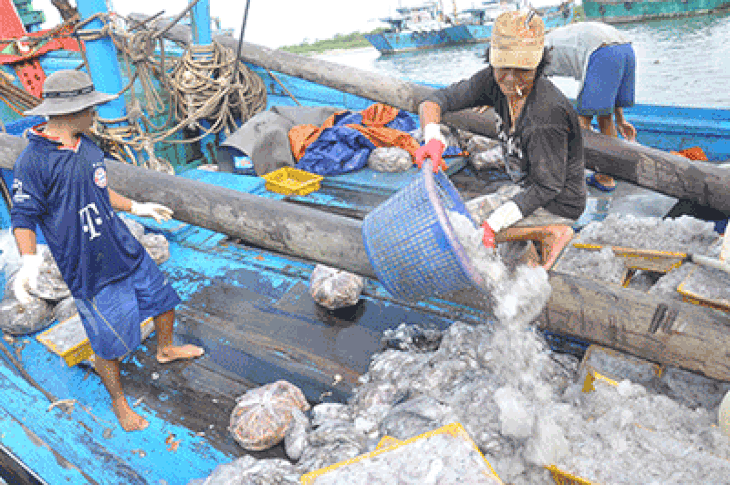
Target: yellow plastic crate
x=388, y=444
x=292, y=181
x=68, y=339
x=387, y=441
x=592, y=376
x=594, y=367
x=564, y=478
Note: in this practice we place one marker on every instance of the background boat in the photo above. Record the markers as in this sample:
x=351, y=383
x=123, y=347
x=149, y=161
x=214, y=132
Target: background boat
x=469, y=26
x=616, y=12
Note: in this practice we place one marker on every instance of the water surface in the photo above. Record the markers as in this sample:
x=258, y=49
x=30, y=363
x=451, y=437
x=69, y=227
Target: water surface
x=680, y=62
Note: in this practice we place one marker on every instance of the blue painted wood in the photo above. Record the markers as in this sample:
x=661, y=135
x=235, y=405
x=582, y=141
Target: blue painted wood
x=61, y=432
x=106, y=74
x=201, y=23
x=29, y=452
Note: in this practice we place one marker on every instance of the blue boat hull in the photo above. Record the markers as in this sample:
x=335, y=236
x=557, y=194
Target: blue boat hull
x=615, y=12
x=393, y=42
x=251, y=310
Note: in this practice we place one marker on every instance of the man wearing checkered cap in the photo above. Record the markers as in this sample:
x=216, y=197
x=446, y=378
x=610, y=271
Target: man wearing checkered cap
x=60, y=185
x=540, y=140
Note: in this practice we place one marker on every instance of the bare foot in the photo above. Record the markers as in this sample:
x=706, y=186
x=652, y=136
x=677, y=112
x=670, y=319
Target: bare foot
x=168, y=354
x=128, y=419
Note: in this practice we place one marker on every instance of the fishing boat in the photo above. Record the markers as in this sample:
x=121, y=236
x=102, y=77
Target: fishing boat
x=241, y=257
x=612, y=12
x=417, y=28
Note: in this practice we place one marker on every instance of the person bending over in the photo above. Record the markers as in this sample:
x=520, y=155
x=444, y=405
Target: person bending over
x=540, y=139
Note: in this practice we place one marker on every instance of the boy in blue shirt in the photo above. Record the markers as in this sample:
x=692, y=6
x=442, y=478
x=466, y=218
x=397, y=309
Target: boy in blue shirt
x=60, y=184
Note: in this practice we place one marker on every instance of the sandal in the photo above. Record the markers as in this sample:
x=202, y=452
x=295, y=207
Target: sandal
x=605, y=183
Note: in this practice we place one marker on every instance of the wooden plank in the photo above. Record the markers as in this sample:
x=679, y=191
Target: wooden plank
x=20, y=447
x=70, y=441
x=667, y=332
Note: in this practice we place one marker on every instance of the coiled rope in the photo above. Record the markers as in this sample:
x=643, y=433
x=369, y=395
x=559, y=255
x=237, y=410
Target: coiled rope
x=202, y=88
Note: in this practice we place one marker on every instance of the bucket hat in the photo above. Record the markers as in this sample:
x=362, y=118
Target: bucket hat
x=518, y=40
x=66, y=92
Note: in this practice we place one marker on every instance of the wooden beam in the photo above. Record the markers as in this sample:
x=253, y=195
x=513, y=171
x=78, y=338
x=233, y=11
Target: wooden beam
x=652, y=327
x=272, y=224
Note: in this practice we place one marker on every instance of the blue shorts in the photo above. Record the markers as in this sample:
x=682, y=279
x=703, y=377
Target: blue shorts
x=609, y=82
x=112, y=319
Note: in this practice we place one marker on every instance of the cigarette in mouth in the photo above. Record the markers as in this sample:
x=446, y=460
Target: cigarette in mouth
x=519, y=91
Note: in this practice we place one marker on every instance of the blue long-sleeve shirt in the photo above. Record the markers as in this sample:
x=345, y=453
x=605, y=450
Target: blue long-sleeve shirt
x=63, y=190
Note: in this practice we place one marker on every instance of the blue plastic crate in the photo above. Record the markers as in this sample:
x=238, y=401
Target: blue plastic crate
x=411, y=244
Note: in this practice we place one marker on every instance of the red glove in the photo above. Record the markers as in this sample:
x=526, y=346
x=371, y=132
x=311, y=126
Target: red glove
x=488, y=238
x=433, y=150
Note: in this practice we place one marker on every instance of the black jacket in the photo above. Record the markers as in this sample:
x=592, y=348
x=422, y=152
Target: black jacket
x=546, y=146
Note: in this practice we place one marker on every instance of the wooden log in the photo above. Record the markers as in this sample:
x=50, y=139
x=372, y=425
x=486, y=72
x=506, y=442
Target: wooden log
x=272, y=224
x=657, y=329
x=673, y=175
x=279, y=226
x=653, y=328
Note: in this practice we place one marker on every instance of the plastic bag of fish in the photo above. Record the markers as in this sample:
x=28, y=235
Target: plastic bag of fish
x=19, y=319
x=49, y=283
x=156, y=245
x=390, y=159
x=262, y=416
x=333, y=288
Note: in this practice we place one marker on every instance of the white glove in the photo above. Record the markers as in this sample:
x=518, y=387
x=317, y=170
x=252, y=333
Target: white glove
x=158, y=212
x=504, y=216
x=432, y=131
x=27, y=276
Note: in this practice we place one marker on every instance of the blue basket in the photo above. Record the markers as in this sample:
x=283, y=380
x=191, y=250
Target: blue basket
x=410, y=242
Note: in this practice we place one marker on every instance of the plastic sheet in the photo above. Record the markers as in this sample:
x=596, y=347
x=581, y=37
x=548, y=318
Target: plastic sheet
x=65, y=309
x=157, y=246
x=485, y=153
x=49, y=284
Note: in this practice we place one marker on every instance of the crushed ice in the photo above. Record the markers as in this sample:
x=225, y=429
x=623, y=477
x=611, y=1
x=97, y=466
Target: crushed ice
x=520, y=402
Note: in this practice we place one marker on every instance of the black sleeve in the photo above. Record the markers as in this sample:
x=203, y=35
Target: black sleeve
x=479, y=90
x=547, y=152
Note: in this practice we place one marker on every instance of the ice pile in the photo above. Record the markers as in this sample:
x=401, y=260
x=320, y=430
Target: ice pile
x=684, y=235
x=517, y=296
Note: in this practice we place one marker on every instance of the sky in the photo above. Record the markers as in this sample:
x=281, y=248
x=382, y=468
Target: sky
x=276, y=23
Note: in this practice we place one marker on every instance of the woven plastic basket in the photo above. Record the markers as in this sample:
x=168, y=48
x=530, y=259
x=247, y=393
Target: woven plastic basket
x=411, y=244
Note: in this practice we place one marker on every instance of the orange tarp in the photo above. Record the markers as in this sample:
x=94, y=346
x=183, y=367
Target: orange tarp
x=374, y=119
x=693, y=153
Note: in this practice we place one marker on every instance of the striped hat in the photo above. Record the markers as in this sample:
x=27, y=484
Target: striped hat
x=66, y=92
x=518, y=40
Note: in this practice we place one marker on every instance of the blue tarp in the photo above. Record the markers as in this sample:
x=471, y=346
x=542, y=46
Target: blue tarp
x=341, y=149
